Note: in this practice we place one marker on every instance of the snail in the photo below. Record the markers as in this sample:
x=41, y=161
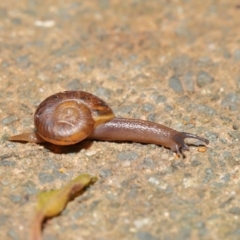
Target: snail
x=69, y=117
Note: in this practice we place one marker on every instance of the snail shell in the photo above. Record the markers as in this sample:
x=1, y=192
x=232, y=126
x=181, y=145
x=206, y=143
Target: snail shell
x=69, y=117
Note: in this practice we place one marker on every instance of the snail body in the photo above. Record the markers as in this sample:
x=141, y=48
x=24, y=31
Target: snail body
x=69, y=117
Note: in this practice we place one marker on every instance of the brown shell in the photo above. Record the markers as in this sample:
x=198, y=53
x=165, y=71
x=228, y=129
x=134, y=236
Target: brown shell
x=68, y=117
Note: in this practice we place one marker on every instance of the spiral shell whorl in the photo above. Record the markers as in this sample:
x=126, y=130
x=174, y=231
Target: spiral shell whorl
x=69, y=117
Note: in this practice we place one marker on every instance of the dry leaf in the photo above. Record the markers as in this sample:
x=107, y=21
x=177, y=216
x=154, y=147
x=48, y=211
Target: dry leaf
x=53, y=202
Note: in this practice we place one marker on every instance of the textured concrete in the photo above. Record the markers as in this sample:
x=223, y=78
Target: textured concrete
x=171, y=62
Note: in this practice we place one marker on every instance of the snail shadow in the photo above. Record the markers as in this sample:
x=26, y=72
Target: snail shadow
x=86, y=144
x=75, y=148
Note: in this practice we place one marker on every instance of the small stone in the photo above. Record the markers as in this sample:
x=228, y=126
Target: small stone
x=236, y=55
x=9, y=120
x=235, y=134
x=3, y=219
x=204, y=78
x=204, y=62
x=175, y=84
x=15, y=198
x=232, y=101
x=235, y=210
x=148, y=162
x=105, y=173
x=23, y=62
x=195, y=163
x=74, y=85
x=145, y=236
x=127, y=156
x=180, y=63
x=45, y=178
x=148, y=107
x=188, y=81
x=103, y=92
x=7, y=163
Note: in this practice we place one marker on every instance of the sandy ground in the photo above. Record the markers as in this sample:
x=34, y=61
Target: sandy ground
x=171, y=62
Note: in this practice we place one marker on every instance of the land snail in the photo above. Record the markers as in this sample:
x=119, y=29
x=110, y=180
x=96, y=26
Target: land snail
x=69, y=117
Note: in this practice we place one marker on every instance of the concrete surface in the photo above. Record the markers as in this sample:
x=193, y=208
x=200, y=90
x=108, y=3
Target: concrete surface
x=171, y=62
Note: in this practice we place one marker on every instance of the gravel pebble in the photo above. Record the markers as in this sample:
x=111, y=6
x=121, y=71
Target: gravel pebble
x=148, y=107
x=195, y=163
x=204, y=78
x=180, y=63
x=202, y=109
x=7, y=163
x=211, y=136
x=15, y=198
x=127, y=156
x=188, y=82
x=175, y=84
x=235, y=134
x=236, y=55
x=3, y=219
x=74, y=85
x=13, y=234
x=103, y=93
x=238, y=82
x=105, y=173
x=30, y=188
x=23, y=62
x=151, y=117
x=235, y=210
x=45, y=178
x=145, y=236
x=168, y=108
x=204, y=62
x=208, y=175
x=232, y=101
x=9, y=120
x=148, y=162
x=58, y=67
x=159, y=98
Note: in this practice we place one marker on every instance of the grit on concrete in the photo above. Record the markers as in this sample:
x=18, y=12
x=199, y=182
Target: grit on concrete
x=172, y=62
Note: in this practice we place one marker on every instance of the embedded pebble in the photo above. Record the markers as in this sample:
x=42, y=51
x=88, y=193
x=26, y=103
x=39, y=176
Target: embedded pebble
x=9, y=120
x=151, y=117
x=74, y=85
x=238, y=82
x=195, y=163
x=208, y=175
x=180, y=63
x=58, y=67
x=204, y=78
x=103, y=92
x=235, y=134
x=204, y=62
x=45, y=177
x=147, y=107
x=7, y=163
x=30, y=188
x=235, y=211
x=127, y=156
x=15, y=198
x=168, y=108
x=3, y=219
x=202, y=108
x=175, y=84
x=159, y=98
x=148, y=162
x=188, y=82
x=23, y=61
x=236, y=55
x=145, y=236
x=105, y=173
x=232, y=101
